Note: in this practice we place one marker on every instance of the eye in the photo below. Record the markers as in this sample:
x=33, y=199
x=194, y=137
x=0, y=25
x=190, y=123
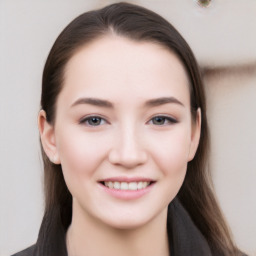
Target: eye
x=93, y=121
x=163, y=120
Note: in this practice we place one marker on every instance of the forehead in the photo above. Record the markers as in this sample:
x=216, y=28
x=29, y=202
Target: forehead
x=115, y=65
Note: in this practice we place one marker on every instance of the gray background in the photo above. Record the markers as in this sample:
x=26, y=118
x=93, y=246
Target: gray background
x=223, y=38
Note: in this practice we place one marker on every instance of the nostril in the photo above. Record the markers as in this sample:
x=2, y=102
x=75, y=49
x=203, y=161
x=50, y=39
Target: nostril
x=204, y=3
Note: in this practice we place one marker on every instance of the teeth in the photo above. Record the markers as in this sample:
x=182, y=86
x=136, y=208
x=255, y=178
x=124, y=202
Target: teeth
x=133, y=186
x=140, y=185
x=126, y=185
x=111, y=184
x=117, y=185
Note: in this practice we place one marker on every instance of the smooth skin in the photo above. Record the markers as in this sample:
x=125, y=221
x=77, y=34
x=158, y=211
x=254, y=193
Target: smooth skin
x=124, y=111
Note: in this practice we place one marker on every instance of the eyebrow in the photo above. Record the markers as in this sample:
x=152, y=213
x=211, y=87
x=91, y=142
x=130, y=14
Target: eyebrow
x=107, y=104
x=93, y=101
x=161, y=101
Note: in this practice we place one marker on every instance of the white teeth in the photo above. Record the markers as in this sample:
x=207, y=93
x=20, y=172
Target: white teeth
x=111, y=184
x=140, y=185
x=133, y=186
x=126, y=185
x=117, y=185
x=144, y=184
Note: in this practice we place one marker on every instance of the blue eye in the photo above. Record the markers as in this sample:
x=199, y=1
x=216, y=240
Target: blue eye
x=163, y=120
x=93, y=121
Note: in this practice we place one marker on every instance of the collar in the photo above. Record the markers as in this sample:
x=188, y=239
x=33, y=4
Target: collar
x=184, y=237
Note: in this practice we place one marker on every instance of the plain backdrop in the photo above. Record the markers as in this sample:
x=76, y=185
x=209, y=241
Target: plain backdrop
x=223, y=37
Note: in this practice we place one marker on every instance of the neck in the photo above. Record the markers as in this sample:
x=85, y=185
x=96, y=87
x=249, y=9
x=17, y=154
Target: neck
x=90, y=237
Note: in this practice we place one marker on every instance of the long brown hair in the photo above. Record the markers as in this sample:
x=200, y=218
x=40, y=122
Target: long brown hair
x=139, y=24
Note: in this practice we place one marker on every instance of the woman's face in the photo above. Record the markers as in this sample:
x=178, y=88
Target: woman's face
x=123, y=132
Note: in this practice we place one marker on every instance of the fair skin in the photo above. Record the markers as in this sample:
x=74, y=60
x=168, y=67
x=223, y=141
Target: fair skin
x=123, y=117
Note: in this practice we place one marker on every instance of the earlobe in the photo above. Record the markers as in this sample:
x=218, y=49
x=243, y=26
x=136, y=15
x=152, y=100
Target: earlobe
x=195, y=135
x=47, y=138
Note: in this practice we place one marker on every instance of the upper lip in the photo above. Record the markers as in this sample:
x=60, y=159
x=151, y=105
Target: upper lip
x=127, y=179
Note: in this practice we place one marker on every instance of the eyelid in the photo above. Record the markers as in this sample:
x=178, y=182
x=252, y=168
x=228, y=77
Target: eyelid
x=170, y=119
x=84, y=119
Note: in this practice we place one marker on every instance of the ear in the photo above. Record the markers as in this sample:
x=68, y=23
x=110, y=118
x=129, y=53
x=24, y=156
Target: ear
x=195, y=135
x=48, y=138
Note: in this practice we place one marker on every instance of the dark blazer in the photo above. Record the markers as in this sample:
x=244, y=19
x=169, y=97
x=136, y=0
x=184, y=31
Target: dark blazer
x=184, y=237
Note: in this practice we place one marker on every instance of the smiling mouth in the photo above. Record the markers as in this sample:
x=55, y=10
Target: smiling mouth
x=126, y=185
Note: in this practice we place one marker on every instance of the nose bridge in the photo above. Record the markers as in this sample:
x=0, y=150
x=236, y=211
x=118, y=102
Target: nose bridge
x=129, y=143
x=128, y=149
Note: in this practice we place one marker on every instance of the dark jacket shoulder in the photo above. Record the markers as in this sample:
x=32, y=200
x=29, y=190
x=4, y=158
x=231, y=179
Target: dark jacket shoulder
x=30, y=251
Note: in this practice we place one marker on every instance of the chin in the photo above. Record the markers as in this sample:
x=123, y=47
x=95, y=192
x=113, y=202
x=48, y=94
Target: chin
x=131, y=221
x=125, y=224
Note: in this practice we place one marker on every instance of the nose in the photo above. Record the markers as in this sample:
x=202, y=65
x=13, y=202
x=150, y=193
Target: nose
x=127, y=151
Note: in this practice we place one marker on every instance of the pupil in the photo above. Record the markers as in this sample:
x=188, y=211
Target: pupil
x=95, y=120
x=159, y=120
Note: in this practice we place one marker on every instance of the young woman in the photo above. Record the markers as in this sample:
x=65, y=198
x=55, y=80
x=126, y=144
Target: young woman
x=125, y=142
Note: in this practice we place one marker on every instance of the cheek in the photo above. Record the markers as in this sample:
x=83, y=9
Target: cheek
x=171, y=157
x=171, y=151
x=80, y=154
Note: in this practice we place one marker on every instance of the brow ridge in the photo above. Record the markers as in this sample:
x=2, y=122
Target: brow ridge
x=163, y=100
x=105, y=103
x=93, y=101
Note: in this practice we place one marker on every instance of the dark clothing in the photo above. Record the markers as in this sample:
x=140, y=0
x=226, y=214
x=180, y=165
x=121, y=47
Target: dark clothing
x=184, y=237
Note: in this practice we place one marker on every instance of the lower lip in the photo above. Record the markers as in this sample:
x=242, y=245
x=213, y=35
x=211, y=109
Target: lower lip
x=127, y=194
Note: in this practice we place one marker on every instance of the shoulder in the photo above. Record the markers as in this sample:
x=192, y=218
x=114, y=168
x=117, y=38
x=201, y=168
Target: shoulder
x=30, y=251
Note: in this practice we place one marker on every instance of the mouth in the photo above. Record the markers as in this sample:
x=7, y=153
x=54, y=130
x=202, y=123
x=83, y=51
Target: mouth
x=123, y=185
x=127, y=188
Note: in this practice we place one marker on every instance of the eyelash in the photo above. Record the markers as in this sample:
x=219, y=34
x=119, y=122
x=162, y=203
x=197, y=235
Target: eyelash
x=90, y=118
x=167, y=120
